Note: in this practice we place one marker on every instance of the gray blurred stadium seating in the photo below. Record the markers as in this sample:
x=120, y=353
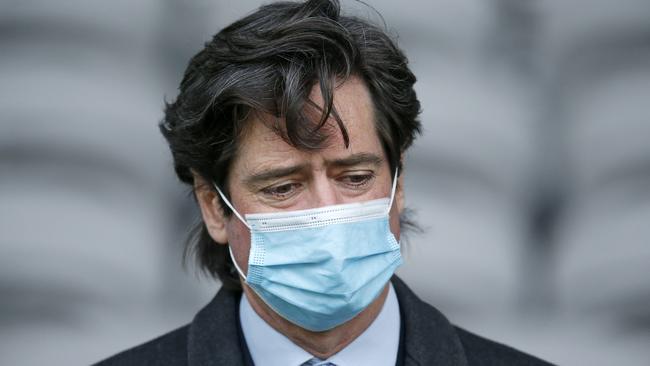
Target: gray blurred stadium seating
x=530, y=181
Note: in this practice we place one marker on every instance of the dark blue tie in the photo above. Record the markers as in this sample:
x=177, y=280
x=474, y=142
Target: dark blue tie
x=317, y=362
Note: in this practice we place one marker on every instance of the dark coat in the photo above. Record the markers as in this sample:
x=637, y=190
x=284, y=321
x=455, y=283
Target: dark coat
x=213, y=338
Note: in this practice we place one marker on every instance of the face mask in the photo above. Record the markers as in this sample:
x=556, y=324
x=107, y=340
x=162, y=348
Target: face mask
x=319, y=268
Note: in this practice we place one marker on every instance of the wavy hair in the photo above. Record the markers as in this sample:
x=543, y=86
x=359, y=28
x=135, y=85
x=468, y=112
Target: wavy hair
x=268, y=62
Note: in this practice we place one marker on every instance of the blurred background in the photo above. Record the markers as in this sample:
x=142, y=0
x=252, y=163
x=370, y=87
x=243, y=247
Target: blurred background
x=531, y=181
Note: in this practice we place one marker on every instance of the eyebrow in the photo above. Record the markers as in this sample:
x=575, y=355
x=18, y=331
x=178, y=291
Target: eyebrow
x=357, y=159
x=274, y=173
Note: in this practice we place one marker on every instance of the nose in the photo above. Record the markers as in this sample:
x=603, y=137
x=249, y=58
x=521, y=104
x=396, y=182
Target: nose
x=324, y=192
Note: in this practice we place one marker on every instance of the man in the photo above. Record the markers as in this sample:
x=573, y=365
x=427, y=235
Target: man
x=291, y=126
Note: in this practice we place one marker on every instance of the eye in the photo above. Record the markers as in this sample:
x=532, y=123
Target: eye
x=281, y=191
x=357, y=181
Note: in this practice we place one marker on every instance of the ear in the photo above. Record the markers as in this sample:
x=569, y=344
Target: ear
x=211, y=210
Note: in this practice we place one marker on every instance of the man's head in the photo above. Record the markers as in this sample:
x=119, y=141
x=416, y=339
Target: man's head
x=293, y=86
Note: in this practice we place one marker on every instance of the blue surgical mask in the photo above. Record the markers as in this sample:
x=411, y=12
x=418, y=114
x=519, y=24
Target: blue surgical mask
x=319, y=268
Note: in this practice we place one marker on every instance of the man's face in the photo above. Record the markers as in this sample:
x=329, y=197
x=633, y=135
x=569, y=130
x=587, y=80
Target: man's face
x=269, y=175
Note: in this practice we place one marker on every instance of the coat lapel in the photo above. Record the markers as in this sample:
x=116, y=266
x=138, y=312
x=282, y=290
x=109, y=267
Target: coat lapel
x=213, y=335
x=429, y=338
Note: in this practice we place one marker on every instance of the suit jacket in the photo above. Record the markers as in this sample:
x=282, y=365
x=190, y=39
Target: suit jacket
x=213, y=338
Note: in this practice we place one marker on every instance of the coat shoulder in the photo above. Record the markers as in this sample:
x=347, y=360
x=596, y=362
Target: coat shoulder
x=168, y=349
x=482, y=351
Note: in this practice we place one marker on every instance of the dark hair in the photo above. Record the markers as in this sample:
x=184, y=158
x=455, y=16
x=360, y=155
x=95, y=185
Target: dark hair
x=268, y=62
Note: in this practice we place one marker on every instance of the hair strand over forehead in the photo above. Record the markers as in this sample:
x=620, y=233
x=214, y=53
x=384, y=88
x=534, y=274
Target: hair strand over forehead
x=268, y=63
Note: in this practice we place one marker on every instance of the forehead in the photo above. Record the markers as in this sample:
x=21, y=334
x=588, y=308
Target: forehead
x=262, y=145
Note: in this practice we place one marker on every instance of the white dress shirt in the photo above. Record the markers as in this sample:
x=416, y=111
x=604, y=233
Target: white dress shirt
x=376, y=346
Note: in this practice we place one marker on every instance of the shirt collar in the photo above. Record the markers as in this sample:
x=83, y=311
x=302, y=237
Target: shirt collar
x=270, y=347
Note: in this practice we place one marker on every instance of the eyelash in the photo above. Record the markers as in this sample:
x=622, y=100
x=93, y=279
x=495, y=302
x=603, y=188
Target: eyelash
x=273, y=191
x=291, y=188
x=367, y=178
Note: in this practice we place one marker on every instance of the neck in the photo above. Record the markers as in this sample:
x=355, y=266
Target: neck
x=319, y=344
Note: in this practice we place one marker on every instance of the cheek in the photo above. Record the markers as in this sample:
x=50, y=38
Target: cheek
x=239, y=238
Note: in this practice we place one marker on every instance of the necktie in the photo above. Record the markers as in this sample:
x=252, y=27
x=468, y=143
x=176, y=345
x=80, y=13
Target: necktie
x=317, y=362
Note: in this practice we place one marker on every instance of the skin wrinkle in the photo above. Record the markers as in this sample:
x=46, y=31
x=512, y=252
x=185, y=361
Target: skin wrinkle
x=203, y=127
x=262, y=149
x=261, y=175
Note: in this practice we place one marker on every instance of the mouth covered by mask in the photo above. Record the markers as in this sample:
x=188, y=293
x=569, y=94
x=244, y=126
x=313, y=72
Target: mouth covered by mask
x=319, y=268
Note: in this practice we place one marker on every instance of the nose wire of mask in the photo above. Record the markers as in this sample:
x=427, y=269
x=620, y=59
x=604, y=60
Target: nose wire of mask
x=239, y=216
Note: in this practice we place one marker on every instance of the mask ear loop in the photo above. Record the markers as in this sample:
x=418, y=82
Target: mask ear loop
x=223, y=197
x=392, y=191
x=232, y=257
